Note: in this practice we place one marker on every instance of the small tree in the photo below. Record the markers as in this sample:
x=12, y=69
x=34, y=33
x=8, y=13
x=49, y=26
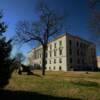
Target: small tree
x=49, y=24
x=5, y=61
x=20, y=57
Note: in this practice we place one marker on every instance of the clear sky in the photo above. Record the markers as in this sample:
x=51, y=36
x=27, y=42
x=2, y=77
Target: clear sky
x=78, y=16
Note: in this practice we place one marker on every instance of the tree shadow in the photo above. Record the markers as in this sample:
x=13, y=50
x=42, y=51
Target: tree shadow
x=23, y=95
x=37, y=75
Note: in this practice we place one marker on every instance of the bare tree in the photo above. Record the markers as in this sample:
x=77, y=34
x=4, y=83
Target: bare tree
x=49, y=24
x=95, y=19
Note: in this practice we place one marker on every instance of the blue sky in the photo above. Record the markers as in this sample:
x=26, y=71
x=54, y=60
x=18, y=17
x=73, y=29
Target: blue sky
x=15, y=10
x=78, y=16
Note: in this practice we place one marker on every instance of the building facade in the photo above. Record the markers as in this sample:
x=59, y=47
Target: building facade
x=30, y=58
x=98, y=61
x=66, y=53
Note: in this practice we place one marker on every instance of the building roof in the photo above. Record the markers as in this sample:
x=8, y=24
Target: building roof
x=68, y=34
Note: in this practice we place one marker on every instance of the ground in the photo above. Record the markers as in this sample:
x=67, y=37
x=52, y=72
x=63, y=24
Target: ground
x=55, y=86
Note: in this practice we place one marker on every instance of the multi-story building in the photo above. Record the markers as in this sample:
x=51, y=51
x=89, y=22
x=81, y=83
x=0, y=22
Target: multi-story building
x=67, y=52
x=98, y=61
x=30, y=58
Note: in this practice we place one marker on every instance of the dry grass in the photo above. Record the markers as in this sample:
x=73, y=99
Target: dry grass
x=60, y=84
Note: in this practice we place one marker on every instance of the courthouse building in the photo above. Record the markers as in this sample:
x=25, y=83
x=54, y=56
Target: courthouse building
x=65, y=53
x=98, y=61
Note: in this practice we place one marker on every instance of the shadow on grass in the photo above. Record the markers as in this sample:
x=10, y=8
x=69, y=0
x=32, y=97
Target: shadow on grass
x=37, y=75
x=22, y=95
x=86, y=83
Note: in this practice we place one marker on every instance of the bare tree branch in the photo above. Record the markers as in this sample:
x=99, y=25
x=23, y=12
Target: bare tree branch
x=94, y=23
x=48, y=24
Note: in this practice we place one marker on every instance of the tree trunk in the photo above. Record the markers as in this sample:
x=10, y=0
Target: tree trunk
x=43, y=60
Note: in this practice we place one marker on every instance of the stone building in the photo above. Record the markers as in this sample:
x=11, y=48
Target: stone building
x=67, y=52
x=98, y=61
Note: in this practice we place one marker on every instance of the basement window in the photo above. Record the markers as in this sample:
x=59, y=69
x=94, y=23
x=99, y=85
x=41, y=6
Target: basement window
x=60, y=68
x=49, y=68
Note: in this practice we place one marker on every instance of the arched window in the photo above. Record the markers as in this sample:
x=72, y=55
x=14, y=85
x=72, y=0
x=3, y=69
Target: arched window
x=60, y=51
x=60, y=60
x=54, y=60
x=55, y=53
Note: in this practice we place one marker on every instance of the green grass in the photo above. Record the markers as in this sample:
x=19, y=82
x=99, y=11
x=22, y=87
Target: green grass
x=60, y=84
x=86, y=83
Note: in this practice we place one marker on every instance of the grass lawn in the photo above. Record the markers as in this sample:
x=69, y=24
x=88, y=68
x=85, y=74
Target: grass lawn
x=60, y=85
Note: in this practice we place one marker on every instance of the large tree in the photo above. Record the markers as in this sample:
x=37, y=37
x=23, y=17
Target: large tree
x=48, y=24
x=5, y=49
x=95, y=20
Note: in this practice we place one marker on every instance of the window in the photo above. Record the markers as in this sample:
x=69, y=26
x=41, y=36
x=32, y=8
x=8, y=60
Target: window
x=77, y=43
x=60, y=51
x=60, y=60
x=54, y=68
x=78, y=52
x=70, y=51
x=70, y=42
x=54, y=45
x=45, y=61
x=50, y=61
x=81, y=45
x=54, y=52
x=50, y=54
x=71, y=60
x=82, y=61
x=78, y=61
x=49, y=68
x=60, y=68
x=60, y=43
x=40, y=55
x=35, y=55
x=54, y=60
x=50, y=47
x=81, y=52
